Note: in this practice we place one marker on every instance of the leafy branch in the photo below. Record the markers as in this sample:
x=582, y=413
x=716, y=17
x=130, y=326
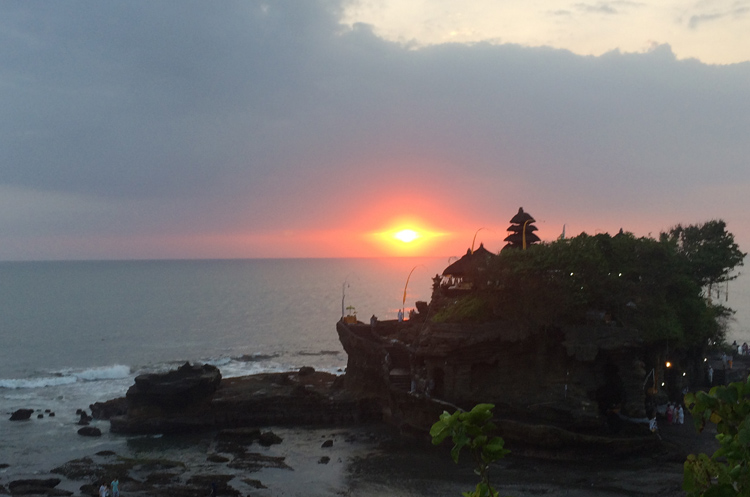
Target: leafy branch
x=473, y=430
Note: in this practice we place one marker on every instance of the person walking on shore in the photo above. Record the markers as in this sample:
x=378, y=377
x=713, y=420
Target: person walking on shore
x=115, y=487
x=103, y=490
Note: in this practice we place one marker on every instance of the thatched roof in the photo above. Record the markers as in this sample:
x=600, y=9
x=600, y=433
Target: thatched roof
x=469, y=262
x=519, y=228
x=517, y=238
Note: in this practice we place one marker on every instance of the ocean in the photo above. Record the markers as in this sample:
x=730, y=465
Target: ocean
x=75, y=333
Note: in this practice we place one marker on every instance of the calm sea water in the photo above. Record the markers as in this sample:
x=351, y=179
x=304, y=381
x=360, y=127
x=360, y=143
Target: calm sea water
x=74, y=333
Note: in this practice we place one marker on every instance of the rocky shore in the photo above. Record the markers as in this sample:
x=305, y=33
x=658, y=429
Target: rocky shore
x=301, y=433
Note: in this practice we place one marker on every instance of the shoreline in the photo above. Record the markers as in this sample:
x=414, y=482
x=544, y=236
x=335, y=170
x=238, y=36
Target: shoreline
x=367, y=460
x=372, y=460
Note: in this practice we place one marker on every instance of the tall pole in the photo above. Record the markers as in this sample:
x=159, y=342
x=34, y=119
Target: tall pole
x=343, y=296
x=523, y=234
x=475, y=239
x=403, y=301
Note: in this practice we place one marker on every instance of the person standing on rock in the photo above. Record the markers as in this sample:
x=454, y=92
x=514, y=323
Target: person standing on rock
x=115, y=487
x=103, y=490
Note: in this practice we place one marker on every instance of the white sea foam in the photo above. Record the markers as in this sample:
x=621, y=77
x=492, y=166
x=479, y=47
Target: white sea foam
x=48, y=381
x=114, y=372
x=67, y=377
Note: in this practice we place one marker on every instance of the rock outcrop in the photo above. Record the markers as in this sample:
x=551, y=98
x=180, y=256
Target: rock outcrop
x=552, y=388
x=165, y=403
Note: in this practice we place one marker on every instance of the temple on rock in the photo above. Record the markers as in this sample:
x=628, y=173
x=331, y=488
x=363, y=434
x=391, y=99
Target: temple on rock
x=553, y=384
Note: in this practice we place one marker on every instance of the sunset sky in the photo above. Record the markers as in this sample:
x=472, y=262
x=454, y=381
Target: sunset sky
x=143, y=129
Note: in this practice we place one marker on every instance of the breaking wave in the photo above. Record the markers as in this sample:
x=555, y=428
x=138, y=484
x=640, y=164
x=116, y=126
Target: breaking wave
x=67, y=377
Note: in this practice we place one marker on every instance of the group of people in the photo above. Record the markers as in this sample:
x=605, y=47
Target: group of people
x=111, y=490
x=741, y=349
x=675, y=414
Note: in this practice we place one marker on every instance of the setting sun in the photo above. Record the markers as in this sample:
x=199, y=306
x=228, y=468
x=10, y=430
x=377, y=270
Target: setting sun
x=406, y=235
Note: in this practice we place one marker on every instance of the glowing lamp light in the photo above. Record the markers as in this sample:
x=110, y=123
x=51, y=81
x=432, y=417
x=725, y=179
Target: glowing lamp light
x=668, y=364
x=662, y=383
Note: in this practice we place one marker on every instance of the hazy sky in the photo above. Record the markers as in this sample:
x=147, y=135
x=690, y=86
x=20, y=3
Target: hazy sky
x=147, y=129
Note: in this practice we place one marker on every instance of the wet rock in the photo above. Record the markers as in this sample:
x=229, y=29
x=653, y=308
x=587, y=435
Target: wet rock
x=21, y=415
x=268, y=438
x=37, y=487
x=324, y=460
x=89, y=489
x=109, y=409
x=217, y=458
x=255, y=462
x=253, y=483
x=90, y=431
x=162, y=478
x=327, y=443
x=305, y=370
x=80, y=469
x=217, y=484
x=40, y=416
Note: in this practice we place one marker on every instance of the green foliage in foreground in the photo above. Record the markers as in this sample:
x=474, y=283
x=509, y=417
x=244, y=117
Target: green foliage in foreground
x=727, y=471
x=472, y=430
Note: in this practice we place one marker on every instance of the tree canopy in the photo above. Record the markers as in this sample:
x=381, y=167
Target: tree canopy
x=710, y=250
x=653, y=285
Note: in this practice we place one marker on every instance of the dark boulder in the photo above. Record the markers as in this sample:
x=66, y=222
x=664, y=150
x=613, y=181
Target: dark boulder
x=90, y=431
x=173, y=391
x=178, y=401
x=268, y=438
x=305, y=370
x=21, y=415
x=37, y=487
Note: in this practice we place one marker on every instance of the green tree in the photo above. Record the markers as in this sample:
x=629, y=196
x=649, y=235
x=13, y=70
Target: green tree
x=710, y=250
x=727, y=472
x=472, y=430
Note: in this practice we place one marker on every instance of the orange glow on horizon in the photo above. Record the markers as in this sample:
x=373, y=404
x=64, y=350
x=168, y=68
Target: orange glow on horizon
x=406, y=237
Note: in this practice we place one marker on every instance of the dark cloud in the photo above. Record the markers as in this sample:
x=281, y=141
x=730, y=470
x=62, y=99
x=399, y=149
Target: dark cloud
x=236, y=115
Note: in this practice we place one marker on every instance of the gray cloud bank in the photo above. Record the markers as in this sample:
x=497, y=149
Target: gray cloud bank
x=140, y=118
